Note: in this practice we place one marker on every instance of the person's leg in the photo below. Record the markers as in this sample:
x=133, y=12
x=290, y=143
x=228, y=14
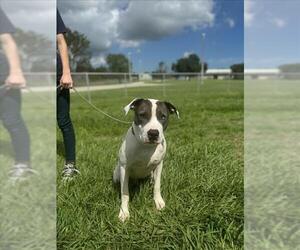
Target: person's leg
x=65, y=124
x=10, y=112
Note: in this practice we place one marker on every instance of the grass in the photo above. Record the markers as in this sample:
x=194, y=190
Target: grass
x=272, y=164
x=27, y=209
x=202, y=179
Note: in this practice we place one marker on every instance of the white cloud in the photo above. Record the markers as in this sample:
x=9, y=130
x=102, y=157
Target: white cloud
x=230, y=22
x=278, y=22
x=187, y=54
x=130, y=22
x=249, y=12
x=96, y=19
x=99, y=60
x=35, y=15
x=128, y=43
x=151, y=20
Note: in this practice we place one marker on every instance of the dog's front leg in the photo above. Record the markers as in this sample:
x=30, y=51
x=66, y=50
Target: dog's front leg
x=159, y=202
x=124, y=179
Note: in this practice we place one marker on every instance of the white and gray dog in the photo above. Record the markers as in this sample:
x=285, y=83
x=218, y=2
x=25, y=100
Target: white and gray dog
x=143, y=149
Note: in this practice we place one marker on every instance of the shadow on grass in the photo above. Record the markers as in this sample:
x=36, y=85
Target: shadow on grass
x=60, y=148
x=135, y=186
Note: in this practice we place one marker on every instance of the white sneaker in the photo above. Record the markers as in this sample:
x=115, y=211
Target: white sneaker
x=20, y=172
x=69, y=171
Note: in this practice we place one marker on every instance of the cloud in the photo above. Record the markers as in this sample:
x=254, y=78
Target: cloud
x=187, y=54
x=128, y=43
x=152, y=20
x=99, y=60
x=96, y=19
x=35, y=15
x=278, y=22
x=249, y=12
x=128, y=23
x=230, y=22
x=263, y=14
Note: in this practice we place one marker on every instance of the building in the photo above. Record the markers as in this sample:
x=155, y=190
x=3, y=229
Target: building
x=145, y=76
x=262, y=73
x=218, y=74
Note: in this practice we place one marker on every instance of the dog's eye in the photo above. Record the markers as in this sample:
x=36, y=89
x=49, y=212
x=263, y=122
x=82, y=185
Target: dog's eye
x=143, y=114
x=163, y=117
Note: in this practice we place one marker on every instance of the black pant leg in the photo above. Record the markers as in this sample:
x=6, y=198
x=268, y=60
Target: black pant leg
x=65, y=124
x=10, y=114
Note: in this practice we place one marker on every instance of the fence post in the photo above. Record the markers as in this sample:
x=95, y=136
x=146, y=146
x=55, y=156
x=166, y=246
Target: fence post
x=87, y=78
x=50, y=85
x=125, y=87
x=199, y=82
x=164, y=85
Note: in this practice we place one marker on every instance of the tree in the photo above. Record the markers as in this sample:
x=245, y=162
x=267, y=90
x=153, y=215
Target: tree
x=36, y=51
x=237, y=70
x=117, y=63
x=79, y=51
x=192, y=64
x=100, y=69
x=289, y=70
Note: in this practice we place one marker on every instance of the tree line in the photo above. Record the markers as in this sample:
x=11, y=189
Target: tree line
x=31, y=45
x=80, y=57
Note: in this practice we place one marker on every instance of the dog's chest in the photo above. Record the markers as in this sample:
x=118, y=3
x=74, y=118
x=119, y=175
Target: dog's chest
x=143, y=161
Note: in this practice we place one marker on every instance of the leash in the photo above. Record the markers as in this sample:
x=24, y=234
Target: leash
x=83, y=98
x=37, y=95
x=99, y=110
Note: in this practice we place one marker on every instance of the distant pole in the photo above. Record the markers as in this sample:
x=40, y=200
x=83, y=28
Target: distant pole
x=87, y=79
x=202, y=59
x=125, y=86
x=129, y=67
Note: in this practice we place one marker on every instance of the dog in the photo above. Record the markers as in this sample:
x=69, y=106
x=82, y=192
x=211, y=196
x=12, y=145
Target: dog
x=143, y=149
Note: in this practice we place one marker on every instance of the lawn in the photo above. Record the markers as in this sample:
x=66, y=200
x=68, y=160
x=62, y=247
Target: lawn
x=202, y=179
x=27, y=209
x=272, y=180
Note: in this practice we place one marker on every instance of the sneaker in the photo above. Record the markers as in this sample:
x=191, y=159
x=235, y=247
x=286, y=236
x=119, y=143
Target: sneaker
x=69, y=171
x=20, y=172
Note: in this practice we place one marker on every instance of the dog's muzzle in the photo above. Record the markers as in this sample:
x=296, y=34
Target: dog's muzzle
x=153, y=135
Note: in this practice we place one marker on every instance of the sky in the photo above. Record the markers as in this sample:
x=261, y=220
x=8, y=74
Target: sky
x=154, y=31
x=261, y=33
x=272, y=34
x=32, y=15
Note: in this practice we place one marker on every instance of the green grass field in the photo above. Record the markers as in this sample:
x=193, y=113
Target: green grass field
x=272, y=180
x=27, y=209
x=202, y=179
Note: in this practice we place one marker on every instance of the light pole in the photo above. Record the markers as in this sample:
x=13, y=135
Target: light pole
x=203, y=35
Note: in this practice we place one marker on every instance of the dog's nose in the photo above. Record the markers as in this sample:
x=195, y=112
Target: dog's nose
x=153, y=134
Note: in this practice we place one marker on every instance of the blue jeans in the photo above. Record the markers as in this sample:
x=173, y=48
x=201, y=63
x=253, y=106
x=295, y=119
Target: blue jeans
x=10, y=115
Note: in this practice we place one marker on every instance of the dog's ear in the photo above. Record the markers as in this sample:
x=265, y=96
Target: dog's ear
x=132, y=105
x=172, y=109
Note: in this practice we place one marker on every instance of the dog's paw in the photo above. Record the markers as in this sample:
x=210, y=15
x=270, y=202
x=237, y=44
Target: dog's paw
x=159, y=202
x=123, y=215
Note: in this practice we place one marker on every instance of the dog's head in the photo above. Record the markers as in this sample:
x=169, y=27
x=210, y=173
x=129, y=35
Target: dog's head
x=151, y=119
